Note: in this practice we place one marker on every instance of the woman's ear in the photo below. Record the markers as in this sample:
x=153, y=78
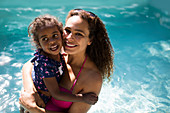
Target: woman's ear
x=89, y=43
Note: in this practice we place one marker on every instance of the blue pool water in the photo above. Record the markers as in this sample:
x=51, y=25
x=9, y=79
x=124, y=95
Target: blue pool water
x=140, y=35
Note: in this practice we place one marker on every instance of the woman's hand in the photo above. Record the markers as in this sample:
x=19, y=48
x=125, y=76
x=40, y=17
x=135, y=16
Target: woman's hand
x=27, y=100
x=29, y=88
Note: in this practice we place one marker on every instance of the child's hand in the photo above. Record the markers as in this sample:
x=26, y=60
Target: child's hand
x=90, y=98
x=39, y=100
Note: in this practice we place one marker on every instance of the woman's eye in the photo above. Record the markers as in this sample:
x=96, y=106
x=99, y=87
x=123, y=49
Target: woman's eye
x=78, y=34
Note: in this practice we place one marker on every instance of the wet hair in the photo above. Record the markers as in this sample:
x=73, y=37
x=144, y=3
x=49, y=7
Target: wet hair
x=42, y=22
x=100, y=51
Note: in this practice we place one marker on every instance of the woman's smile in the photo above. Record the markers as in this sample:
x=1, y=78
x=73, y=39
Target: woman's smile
x=70, y=45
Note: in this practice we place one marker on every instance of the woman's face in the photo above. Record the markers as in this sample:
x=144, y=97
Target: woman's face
x=76, y=35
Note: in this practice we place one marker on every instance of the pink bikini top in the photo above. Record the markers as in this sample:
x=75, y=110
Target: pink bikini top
x=61, y=106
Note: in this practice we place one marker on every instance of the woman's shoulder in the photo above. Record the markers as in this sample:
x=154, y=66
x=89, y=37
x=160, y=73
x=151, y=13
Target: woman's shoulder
x=92, y=74
x=91, y=81
x=27, y=66
x=28, y=63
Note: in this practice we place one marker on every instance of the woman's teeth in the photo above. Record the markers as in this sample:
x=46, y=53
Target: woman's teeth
x=71, y=45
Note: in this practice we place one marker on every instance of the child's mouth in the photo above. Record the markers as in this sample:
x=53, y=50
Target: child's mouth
x=54, y=48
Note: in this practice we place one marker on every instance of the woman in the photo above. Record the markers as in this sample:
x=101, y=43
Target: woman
x=89, y=60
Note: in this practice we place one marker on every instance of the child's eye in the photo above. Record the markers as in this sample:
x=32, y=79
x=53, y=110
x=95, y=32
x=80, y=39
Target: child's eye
x=55, y=35
x=44, y=39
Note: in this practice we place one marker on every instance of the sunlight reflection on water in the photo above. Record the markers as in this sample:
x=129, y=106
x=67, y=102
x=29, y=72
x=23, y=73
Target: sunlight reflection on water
x=141, y=40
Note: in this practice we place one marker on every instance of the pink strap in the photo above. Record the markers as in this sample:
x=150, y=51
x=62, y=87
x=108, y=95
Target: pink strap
x=78, y=74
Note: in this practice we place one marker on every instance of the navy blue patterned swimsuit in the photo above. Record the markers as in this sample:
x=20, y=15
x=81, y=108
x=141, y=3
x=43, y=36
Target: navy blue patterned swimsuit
x=45, y=67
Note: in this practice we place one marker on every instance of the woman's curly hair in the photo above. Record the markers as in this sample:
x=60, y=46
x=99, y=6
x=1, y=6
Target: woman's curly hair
x=100, y=51
x=42, y=22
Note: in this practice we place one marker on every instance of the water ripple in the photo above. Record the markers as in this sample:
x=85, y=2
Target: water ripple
x=5, y=58
x=159, y=49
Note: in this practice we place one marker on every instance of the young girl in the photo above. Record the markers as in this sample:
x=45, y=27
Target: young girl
x=48, y=62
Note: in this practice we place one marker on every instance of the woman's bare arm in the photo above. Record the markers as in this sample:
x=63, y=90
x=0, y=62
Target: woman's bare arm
x=29, y=85
x=26, y=77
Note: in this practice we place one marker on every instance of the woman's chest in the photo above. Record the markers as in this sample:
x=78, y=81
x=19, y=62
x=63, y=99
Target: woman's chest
x=72, y=81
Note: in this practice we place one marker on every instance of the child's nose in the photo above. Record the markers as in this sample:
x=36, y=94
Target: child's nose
x=52, y=40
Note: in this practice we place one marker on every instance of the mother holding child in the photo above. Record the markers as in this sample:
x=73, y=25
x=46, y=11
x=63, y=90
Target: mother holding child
x=70, y=80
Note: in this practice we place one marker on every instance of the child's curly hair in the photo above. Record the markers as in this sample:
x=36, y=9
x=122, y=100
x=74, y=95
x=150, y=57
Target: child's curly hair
x=41, y=22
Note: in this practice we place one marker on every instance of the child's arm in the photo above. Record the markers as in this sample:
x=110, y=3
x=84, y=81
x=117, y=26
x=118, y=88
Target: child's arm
x=52, y=85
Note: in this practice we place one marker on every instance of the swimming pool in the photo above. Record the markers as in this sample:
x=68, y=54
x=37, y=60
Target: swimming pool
x=140, y=35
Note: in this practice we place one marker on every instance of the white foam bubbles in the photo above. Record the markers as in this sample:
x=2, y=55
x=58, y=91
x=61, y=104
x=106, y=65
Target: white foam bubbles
x=165, y=45
x=164, y=21
x=130, y=97
x=5, y=9
x=132, y=6
x=4, y=59
x=19, y=74
x=25, y=9
x=29, y=53
x=106, y=100
x=159, y=49
x=8, y=100
x=3, y=85
x=18, y=77
x=17, y=65
x=109, y=15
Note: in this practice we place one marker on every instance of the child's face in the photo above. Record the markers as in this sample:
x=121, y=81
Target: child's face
x=50, y=40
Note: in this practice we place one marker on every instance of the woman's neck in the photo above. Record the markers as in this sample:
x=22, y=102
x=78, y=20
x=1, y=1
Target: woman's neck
x=76, y=59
